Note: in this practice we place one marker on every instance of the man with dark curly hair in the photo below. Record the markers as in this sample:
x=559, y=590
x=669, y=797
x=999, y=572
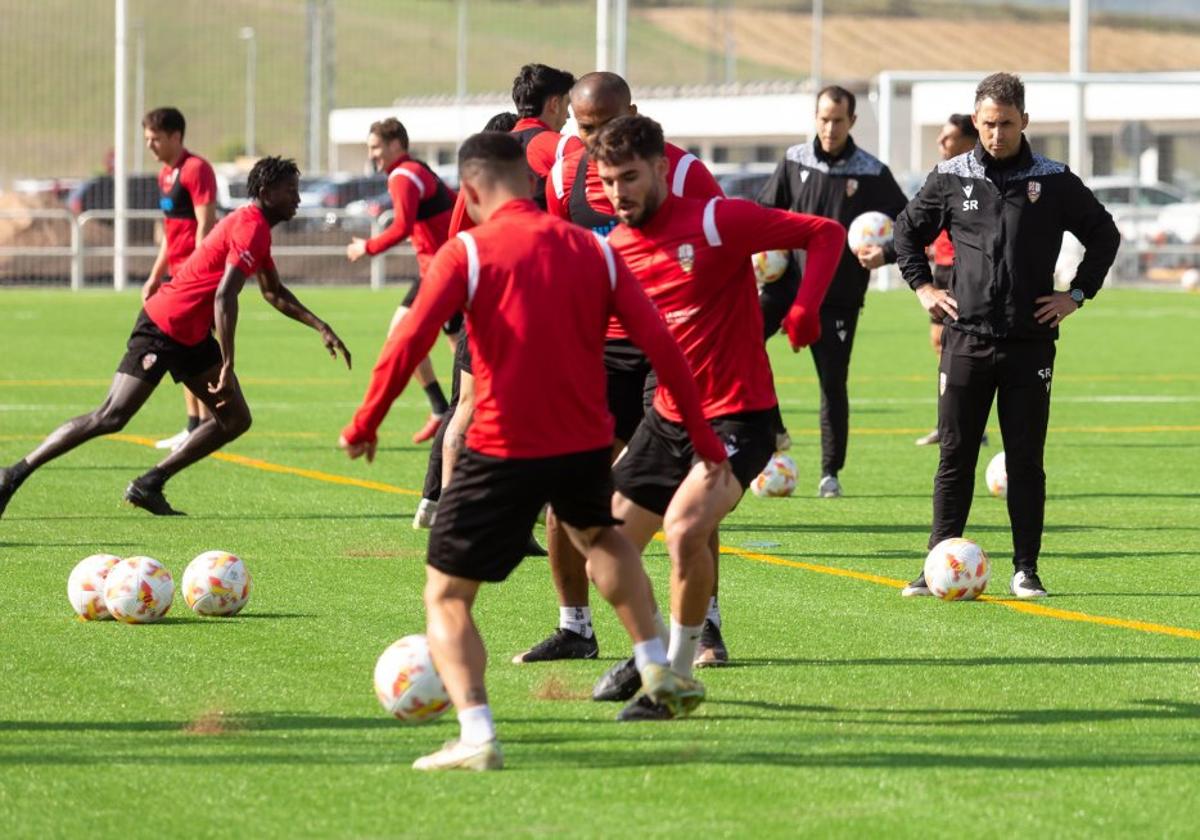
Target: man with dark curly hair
x=173, y=334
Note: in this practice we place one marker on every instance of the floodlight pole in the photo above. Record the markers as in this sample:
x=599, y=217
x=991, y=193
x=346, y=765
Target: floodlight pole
x=1077, y=155
x=621, y=35
x=602, y=13
x=818, y=19
x=120, y=133
x=139, y=90
x=247, y=34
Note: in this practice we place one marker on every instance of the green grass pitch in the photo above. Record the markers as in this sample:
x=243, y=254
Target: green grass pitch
x=850, y=712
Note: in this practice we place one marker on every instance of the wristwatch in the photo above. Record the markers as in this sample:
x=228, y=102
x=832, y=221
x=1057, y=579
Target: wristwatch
x=1077, y=296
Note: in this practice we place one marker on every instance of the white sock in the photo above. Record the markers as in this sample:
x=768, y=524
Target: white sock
x=650, y=652
x=475, y=723
x=661, y=627
x=682, y=651
x=577, y=620
x=714, y=612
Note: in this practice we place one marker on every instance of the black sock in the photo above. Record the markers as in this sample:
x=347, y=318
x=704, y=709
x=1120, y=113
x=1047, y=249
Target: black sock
x=437, y=400
x=153, y=479
x=193, y=422
x=19, y=471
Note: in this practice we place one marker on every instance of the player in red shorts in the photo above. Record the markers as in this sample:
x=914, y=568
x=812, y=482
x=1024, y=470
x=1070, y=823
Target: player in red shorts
x=188, y=188
x=173, y=334
x=532, y=329
x=421, y=210
x=693, y=259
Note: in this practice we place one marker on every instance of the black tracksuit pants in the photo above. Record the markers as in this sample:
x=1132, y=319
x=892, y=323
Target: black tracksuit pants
x=1018, y=374
x=831, y=356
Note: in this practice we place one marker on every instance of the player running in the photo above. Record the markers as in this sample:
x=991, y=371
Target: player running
x=189, y=203
x=421, y=208
x=575, y=192
x=693, y=259
x=531, y=328
x=173, y=333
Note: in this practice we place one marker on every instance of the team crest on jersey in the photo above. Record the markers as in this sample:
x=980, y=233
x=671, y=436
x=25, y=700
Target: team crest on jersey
x=149, y=360
x=687, y=257
x=851, y=187
x=1034, y=191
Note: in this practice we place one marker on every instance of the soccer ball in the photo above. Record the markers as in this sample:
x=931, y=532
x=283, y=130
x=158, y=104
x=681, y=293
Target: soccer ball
x=769, y=266
x=216, y=583
x=957, y=570
x=85, y=586
x=778, y=478
x=138, y=590
x=996, y=477
x=1190, y=279
x=406, y=683
x=872, y=228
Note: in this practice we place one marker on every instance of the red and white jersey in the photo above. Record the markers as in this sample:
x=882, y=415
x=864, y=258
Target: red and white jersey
x=693, y=260
x=183, y=308
x=189, y=184
x=421, y=208
x=538, y=293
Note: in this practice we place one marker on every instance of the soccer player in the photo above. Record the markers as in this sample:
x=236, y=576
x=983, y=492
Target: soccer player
x=173, y=334
x=1006, y=209
x=421, y=209
x=576, y=193
x=693, y=259
x=832, y=177
x=531, y=329
x=957, y=137
x=189, y=204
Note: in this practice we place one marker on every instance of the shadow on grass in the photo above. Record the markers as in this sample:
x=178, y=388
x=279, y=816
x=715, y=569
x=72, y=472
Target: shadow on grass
x=971, y=662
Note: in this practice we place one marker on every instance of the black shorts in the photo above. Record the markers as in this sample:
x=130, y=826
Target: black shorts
x=628, y=369
x=451, y=327
x=491, y=504
x=151, y=353
x=660, y=455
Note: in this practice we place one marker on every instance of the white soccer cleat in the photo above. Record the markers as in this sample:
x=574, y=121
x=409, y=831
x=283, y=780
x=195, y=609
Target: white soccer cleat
x=173, y=442
x=929, y=439
x=457, y=755
x=1026, y=584
x=425, y=515
x=829, y=488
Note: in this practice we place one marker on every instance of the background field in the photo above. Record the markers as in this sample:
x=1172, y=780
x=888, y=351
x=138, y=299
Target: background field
x=851, y=712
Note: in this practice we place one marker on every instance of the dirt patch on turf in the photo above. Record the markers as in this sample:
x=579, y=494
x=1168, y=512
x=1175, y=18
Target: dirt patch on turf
x=556, y=688
x=213, y=722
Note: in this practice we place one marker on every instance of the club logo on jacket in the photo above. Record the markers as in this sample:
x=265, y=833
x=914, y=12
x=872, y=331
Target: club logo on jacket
x=1034, y=191
x=687, y=257
x=149, y=360
x=851, y=187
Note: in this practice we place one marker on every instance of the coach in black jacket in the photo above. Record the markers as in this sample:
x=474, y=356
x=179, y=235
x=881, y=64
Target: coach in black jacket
x=1006, y=209
x=832, y=177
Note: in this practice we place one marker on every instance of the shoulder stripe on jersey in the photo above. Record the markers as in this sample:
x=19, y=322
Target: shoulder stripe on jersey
x=711, y=234
x=681, y=172
x=561, y=148
x=472, y=264
x=556, y=177
x=609, y=259
x=410, y=175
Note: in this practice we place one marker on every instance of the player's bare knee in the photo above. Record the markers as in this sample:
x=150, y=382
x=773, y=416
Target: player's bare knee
x=686, y=536
x=108, y=420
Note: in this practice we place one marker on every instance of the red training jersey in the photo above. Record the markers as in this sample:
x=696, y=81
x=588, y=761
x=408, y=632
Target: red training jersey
x=183, y=308
x=943, y=249
x=421, y=208
x=538, y=293
x=189, y=184
x=693, y=260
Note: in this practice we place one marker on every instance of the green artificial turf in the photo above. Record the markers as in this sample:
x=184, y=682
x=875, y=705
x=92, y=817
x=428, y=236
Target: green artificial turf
x=849, y=711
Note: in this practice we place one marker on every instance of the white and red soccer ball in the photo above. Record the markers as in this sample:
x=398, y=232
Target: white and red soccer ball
x=769, y=266
x=85, y=586
x=138, y=590
x=996, y=476
x=407, y=684
x=873, y=228
x=777, y=479
x=216, y=583
x=957, y=570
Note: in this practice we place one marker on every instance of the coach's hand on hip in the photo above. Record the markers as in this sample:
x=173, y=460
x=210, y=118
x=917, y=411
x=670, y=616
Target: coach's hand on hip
x=1054, y=307
x=937, y=302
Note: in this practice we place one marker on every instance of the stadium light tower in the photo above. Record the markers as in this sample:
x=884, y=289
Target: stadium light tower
x=246, y=33
x=602, y=14
x=120, y=133
x=1077, y=135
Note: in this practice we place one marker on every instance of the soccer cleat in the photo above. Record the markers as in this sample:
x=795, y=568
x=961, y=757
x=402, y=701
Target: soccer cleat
x=151, y=499
x=7, y=488
x=678, y=693
x=929, y=439
x=1026, y=584
x=783, y=441
x=173, y=442
x=643, y=708
x=425, y=515
x=562, y=644
x=711, y=652
x=428, y=430
x=534, y=549
x=917, y=588
x=619, y=683
x=829, y=488
x=457, y=755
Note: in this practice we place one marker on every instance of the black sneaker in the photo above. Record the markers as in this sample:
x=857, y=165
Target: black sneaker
x=643, y=708
x=534, y=549
x=619, y=683
x=151, y=499
x=562, y=644
x=7, y=488
x=917, y=588
x=711, y=652
x=1026, y=584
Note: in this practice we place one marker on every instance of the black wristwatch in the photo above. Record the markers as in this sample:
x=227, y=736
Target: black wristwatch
x=1077, y=296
